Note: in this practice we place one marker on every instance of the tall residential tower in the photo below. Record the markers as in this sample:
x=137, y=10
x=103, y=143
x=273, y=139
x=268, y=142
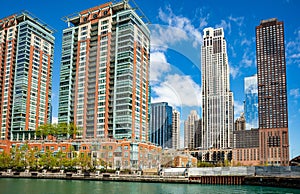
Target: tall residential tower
x=104, y=76
x=217, y=99
x=26, y=58
x=272, y=93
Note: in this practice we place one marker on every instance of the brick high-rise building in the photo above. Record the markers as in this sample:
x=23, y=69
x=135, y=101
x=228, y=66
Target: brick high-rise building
x=272, y=93
x=26, y=58
x=104, y=76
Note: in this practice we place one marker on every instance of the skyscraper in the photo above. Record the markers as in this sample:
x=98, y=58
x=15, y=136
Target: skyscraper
x=190, y=127
x=272, y=93
x=161, y=124
x=198, y=133
x=251, y=102
x=175, y=129
x=240, y=123
x=217, y=99
x=104, y=76
x=26, y=58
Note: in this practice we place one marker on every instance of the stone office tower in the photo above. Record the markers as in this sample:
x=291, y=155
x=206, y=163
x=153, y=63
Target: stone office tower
x=272, y=93
x=217, y=99
x=104, y=76
x=26, y=58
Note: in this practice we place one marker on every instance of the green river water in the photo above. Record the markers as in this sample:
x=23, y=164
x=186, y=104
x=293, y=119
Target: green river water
x=49, y=186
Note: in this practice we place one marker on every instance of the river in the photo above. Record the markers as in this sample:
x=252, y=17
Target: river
x=50, y=186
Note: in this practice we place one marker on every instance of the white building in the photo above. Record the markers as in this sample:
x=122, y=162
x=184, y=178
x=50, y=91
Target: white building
x=189, y=130
x=217, y=99
x=175, y=129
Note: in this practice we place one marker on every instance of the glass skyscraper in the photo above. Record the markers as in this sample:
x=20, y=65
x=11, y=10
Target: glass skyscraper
x=104, y=76
x=26, y=58
x=161, y=124
x=251, y=102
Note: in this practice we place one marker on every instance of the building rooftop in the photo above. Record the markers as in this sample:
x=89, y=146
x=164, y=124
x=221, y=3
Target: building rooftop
x=25, y=15
x=115, y=6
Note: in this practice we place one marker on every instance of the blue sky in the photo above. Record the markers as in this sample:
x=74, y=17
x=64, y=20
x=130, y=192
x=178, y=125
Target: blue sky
x=176, y=28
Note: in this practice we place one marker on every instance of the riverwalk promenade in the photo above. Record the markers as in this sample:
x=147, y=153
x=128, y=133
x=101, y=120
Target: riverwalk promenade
x=263, y=176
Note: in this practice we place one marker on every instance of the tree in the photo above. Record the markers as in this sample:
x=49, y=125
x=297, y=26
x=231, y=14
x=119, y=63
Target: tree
x=62, y=130
x=74, y=131
x=204, y=164
x=47, y=160
x=85, y=161
x=5, y=161
x=46, y=129
x=18, y=158
x=31, y=159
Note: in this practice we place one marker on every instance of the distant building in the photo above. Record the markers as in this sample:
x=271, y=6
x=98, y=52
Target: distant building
x=26, y=58
x=272, y=93
x=104, y=75
x=217, y=99
x=198, y=133
x=251, y=102
x=175, y=129
x=161, y=124
x=177, y=158
x=189, y=130
x=240, y=123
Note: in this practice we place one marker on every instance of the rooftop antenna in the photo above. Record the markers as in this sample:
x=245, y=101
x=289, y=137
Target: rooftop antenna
x=140, y=10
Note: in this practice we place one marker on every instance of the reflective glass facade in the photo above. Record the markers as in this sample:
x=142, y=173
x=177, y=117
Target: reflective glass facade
x=161, y=124
x=251, y=102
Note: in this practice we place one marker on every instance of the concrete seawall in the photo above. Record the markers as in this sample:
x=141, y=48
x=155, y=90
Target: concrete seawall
x=237, y=176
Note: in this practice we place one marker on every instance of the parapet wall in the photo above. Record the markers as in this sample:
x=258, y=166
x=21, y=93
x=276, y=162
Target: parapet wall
x=222, y=171
x=271, y=171
x=282, y=171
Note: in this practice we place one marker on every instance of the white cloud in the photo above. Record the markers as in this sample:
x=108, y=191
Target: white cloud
x=238, y=20
x=246, y=42
x=295, y=56
x=159, y=66
x=238, y=108
x=234, y=71
x=163, y=36
x=178, y=28
x=225, y=25
x=203, y=22
x=246, y=61
x=293, y=49
x=295, y=93
x=178, y=90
